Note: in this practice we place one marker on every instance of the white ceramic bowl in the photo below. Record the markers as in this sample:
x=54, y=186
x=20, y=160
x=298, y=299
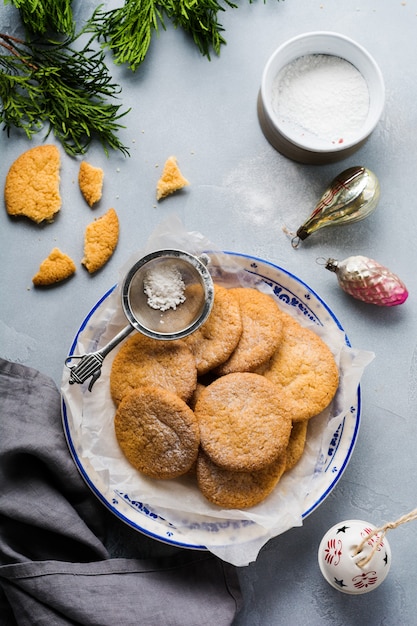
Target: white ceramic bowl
x=307, y=148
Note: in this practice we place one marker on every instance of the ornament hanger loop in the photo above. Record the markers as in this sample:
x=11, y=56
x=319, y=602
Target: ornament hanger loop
x=409, y=517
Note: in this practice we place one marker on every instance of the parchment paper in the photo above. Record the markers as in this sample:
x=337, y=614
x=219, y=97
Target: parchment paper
x=179, y=500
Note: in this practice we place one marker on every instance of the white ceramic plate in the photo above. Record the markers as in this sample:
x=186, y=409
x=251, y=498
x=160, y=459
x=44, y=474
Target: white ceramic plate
x=292, y=295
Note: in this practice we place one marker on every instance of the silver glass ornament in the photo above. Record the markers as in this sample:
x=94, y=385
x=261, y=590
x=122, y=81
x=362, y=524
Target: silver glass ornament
x=350, y=197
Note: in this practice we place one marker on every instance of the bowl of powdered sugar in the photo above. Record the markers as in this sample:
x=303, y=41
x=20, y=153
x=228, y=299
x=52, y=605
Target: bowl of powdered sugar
x=321, y=96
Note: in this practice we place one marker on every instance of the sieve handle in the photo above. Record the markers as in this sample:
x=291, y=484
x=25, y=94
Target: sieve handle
x=89, y=365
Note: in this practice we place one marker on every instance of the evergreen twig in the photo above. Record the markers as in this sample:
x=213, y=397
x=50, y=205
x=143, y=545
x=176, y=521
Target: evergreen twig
x=41, y=16
x=127, y=31
x=67, y=88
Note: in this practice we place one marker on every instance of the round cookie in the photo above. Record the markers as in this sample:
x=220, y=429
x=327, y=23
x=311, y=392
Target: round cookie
x=243, y=424
x=296, y=444
x=215, y=340
x=237, y=490
x=304, y=370
x=261, y=331
x=145, y=361
x=32, y=184
x=157, y=432
x=196, y=393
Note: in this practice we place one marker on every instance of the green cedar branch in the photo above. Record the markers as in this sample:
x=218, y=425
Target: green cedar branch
x=200, y=20
x=127, y=31
x=41, y=16
x=68, y=89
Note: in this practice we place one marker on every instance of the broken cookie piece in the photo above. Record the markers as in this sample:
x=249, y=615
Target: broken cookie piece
x=171, y=180
x=100, y=240
x=54, y=269
x=32, y=184
x=90, y=181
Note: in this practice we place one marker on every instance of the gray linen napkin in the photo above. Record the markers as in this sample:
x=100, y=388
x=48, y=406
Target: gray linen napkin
x=55, y=567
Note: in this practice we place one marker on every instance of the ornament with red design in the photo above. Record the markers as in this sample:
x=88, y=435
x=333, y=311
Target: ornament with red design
x=368, y=280
x=345, y=568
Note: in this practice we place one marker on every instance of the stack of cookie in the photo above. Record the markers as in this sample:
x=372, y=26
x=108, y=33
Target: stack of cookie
x=229, y=404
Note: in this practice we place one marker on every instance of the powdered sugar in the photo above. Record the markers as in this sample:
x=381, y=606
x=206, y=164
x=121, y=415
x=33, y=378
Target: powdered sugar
x=321, y=95
x=164, y=287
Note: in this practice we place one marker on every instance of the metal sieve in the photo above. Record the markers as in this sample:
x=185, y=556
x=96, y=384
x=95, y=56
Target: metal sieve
x=169, y=320
x=173, y=322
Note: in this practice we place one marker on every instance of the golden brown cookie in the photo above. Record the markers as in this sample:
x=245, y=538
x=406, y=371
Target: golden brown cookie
x=215, y=340
x=157, y=432
x=303, y=368
x=237, y=490
x=145, y=361
x=90, y=181
x=55, y=268
x=32, y=184
x=171, y=179
x=100, y=240
x=193, y=400
x=296, y=444
x=261, y=334
x=243, y=424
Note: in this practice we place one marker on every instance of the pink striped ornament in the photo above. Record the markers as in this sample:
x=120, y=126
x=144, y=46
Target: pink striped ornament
x=368, y=280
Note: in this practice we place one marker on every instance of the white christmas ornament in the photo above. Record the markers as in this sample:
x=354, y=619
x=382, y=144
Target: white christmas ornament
x=345, y=568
